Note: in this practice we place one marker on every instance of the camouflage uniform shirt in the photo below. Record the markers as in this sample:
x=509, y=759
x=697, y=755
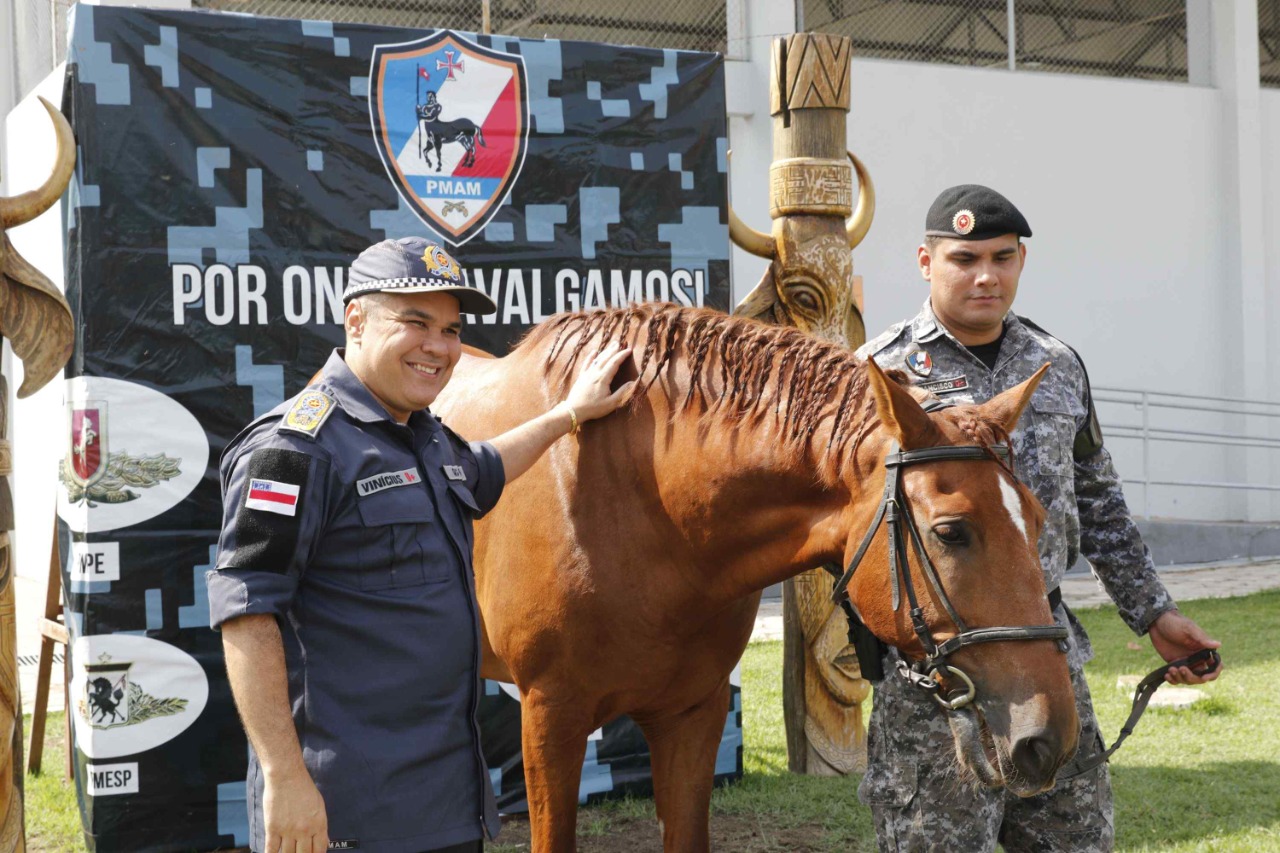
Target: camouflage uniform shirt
x=916, y=802
x=1085, y=508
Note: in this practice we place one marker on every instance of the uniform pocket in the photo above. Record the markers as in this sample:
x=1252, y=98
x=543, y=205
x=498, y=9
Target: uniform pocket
x=464, y=497
x=888, y=785
x=1053, y=428
x=396, y=522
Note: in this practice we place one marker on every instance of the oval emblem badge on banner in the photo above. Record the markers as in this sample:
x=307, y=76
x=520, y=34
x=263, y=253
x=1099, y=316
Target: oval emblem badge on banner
x=130, y=694
x=132, y=453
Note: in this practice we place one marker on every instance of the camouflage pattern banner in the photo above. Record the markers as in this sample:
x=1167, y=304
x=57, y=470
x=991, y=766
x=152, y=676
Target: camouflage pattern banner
x=230, y=168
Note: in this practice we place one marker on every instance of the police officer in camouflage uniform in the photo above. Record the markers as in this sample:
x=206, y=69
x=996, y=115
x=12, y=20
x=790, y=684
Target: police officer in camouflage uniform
x=343, y=584
x=966, y=345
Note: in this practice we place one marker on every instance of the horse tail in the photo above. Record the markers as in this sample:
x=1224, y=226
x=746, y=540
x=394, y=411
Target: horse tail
x=480, y=136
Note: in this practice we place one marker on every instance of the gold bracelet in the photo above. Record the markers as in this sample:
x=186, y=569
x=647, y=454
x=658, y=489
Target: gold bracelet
x=574, y=426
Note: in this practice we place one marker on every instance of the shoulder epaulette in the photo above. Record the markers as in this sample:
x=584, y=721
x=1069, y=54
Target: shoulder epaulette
x=308, y=413
x=882, y=340
x=1089, y=438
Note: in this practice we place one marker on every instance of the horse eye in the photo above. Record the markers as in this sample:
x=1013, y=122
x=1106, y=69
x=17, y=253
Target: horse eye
x=951, y=534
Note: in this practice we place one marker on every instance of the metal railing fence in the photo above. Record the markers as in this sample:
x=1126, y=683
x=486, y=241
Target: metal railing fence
x=680, y=24
x=1113, y=38
x=1188, y=411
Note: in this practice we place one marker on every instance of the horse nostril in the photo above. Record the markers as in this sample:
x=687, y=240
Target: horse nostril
x=1036, y=756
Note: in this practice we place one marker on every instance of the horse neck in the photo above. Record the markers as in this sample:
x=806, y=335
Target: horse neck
x=758, y=506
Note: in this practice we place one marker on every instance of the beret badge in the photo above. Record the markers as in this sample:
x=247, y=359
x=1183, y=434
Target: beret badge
x=963, y=222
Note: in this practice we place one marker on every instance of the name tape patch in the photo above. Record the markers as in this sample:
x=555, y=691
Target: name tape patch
x=455, y=472
x=390, y=480
x=272, y=496
x=942, y=386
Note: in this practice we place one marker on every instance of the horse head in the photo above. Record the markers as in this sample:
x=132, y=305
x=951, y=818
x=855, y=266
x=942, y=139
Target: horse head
x=969, y=566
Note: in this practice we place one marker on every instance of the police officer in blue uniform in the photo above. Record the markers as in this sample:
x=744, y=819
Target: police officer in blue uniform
x=343, y=584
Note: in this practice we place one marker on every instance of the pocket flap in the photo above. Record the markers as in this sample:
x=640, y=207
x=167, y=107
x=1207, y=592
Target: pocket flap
x=463, y=495
x=401, y=505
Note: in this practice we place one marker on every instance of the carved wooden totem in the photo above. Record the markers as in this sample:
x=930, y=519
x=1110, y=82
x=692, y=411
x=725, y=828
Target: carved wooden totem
x=810, y=285
x=36, y=319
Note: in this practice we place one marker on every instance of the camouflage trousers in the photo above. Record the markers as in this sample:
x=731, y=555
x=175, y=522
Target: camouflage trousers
x=920, y=802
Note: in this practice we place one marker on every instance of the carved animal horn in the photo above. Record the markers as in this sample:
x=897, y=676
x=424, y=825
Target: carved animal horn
x=27, y=206
x=860, y=222
x=748, y=238
x=34, y=315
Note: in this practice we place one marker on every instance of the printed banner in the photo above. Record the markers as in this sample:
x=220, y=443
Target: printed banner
x=229, y=169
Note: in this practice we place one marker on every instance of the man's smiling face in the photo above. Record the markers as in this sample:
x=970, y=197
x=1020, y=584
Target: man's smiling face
x=403, y=347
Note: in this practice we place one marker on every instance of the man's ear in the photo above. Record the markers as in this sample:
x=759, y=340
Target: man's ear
x=353, y=321
x=1007, y=407
x=898, y=410
x=925, y=260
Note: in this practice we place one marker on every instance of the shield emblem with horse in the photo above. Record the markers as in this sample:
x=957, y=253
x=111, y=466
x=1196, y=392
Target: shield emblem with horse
x=450, y=119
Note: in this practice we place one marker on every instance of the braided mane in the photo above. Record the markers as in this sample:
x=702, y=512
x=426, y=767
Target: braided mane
x=738, y=369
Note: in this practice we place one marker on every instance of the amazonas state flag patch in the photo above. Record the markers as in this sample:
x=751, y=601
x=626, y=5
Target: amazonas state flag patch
x=272, y=496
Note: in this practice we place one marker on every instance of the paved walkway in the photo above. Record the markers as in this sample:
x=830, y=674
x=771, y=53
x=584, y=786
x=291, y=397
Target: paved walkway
x=1203, y=580
x=1215, y=580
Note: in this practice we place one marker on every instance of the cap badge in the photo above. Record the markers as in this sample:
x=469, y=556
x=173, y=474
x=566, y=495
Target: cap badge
x=440, y=263
x=920, y=363
x=962, y=222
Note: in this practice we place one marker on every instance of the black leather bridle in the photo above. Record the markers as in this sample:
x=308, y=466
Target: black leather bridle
x=896, y=515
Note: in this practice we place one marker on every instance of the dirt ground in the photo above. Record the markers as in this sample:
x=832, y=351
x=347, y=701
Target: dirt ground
x=738, y=833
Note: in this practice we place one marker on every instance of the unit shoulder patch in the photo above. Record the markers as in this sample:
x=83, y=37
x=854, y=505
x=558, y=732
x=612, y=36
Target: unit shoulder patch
x=308, y=414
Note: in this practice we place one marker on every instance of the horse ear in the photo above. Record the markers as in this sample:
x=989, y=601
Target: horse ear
x=898, y=410
x=1007, y=407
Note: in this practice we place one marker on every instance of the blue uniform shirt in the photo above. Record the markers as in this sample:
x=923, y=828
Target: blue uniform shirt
x=355, y=532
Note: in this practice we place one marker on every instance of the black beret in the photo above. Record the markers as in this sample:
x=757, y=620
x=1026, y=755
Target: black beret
x=974, y=212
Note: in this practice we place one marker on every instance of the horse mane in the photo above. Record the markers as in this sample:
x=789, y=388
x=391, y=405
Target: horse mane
x=731, y=362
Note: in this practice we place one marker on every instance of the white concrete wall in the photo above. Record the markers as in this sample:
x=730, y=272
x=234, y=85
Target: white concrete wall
x=38, y=423
x=1128, y=187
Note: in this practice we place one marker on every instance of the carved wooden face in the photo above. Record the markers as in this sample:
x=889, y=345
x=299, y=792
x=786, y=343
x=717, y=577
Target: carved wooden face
x=809, y=283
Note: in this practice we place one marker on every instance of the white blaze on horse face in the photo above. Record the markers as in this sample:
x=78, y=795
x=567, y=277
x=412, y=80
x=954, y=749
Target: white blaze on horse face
x=1012, y=503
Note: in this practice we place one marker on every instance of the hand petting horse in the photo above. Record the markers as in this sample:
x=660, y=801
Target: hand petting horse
x=622, y=573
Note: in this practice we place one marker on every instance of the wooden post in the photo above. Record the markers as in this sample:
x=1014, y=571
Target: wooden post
x=38, y=325
x=52, y=632
x=811, y=202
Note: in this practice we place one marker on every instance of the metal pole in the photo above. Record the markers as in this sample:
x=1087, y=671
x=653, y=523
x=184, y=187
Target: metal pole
x=1146, y=457
x=1013, y=37
x=485, y=26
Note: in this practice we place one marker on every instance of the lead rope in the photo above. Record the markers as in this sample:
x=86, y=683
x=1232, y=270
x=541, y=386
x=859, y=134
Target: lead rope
x=1141, y=696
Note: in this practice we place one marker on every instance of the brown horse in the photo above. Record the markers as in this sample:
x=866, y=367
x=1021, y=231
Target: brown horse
x=622, y=574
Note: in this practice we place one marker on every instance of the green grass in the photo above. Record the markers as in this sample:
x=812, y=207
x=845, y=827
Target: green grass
x=53, y=819
x=1207, y=779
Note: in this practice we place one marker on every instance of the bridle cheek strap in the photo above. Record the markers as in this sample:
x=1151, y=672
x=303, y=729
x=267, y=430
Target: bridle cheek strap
x=894, y=513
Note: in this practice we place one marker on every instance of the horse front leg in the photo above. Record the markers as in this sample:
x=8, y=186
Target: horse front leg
x=683, y=748
x=554, y=742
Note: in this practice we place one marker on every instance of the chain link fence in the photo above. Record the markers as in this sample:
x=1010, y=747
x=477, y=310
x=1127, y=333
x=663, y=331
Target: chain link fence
x=681, y=24
x=1269, y=42
x=1113, y=38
